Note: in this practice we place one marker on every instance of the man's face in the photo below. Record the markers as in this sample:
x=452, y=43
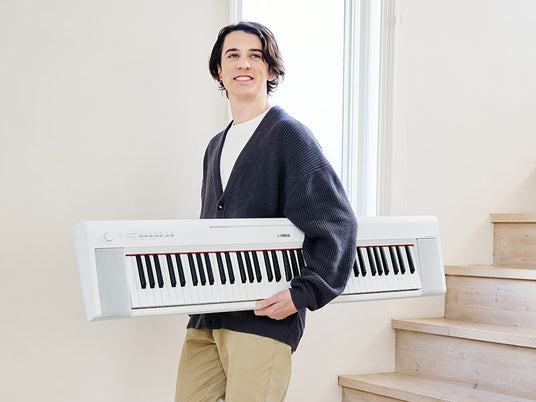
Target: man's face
x=243, y=70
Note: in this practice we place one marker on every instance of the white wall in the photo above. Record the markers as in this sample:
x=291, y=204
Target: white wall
x=465, y=134
x=105, y=111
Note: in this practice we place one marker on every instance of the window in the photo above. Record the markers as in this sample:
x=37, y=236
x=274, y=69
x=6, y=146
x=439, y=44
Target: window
x=333, y=57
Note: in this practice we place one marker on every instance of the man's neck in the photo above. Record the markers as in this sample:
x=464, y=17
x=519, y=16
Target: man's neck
x=245, y=110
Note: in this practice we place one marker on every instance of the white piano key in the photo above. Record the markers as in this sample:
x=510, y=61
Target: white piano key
x=281, y=262
x=133, y=281
x=359, y=284
x=399, y=282
x=254, y=289
x=401, y=278
x=148, y=291
x=158, y=291
x=172, y=290
x=206, y=289
x=409, y=278
x=219, y=290
x=185, y=293
x=230, y=273
x=264, y=286
x=239, y=289
x=249, y=286
x=193, y=286
x=159, y=301
x=166, y=289
x=272, y=286
x=391, y=279
x=210, y=288
x=416, y=279
x=369, y=280
x=217, y=260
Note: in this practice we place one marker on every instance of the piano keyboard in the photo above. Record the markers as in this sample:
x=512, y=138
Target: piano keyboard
x=199, y=278
x=133, y=268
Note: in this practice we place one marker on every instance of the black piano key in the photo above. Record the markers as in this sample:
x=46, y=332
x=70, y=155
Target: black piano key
x=257, y=266
x=355, y=268
x=410, y=259
x=385, y=261
x=221, y=269
x=378, y=260
x=141, y=274
x=159, y=277
x=268, y=266
x=301, y=260
x=371, y=261
x=361, y=261
x=286, y=263
x=294, y=263
x=201, y=269
x=277, y=270
x=241, y=267
x=149, y=268
x=401, y=260
x=180, y=270
x=249, y=267
x=191, y=263
x=229, y=265
x=172, y=277
x=208, y=266
x=394, y=259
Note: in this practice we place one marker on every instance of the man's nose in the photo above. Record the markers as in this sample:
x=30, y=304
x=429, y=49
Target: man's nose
x=243, y=63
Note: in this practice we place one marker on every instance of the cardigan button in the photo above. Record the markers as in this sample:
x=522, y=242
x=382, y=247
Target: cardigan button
x=220, y=206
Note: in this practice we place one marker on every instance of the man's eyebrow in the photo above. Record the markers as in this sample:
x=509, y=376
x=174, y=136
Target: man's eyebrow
x=234, y=49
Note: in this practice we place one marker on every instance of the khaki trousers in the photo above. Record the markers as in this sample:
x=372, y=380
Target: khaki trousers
x=231, y=365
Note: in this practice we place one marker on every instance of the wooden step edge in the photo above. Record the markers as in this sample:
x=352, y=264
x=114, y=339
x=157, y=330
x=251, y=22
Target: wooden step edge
x=411, y=388
x=507, y=335
x=513, y=218
x=522, y=272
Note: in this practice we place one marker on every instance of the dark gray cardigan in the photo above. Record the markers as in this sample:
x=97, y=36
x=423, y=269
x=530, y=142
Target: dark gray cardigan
x=282, y=172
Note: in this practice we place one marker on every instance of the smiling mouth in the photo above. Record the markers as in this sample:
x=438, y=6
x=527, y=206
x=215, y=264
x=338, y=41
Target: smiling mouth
x=243, y=78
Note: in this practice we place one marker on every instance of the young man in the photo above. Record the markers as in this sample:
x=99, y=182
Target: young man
x=265, y=164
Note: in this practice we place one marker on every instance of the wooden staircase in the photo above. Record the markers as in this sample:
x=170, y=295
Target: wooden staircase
x=484, y=348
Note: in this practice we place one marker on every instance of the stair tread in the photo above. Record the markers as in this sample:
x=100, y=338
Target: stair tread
x=524, y=272
x=411, y=388
x=513, y=217
x=509, y=335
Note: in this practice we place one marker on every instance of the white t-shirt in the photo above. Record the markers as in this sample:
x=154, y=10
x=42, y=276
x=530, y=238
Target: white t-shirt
x=237, y=137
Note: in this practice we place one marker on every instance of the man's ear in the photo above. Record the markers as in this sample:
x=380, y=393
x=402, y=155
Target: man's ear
x=271, y=76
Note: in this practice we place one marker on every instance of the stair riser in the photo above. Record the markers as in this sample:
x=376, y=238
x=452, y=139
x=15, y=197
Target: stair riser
x=491, y=300
x=514, y=243
x=483, y=365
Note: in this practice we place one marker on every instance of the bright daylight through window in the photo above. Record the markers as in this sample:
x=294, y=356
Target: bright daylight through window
x=331, y=51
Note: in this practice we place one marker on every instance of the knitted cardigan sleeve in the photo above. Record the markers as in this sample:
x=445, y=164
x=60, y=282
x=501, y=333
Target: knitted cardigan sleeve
x=315, y=201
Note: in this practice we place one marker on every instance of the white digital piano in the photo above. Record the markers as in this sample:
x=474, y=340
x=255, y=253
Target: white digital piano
x=151, y=267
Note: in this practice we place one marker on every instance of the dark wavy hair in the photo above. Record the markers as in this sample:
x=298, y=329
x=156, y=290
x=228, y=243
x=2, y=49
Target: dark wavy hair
x=270, y=52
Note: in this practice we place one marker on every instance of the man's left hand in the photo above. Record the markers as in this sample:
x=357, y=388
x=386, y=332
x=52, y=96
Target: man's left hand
x=277, y=307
